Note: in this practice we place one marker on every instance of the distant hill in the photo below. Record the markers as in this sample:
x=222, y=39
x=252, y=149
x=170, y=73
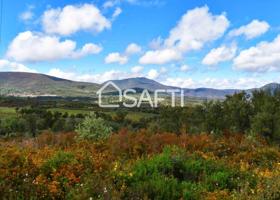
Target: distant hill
x=271, y=87
x=28, y=84
x=32, y=84
x=151, y=85
x=141, y=83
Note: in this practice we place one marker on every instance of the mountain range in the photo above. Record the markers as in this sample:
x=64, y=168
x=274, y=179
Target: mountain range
x=32, y=84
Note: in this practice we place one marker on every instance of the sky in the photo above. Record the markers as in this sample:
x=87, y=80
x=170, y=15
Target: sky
x=186, y=43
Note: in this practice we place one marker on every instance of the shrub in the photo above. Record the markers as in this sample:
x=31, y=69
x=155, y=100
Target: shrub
x=93, y=128
x=174, y=174
x=59, y=159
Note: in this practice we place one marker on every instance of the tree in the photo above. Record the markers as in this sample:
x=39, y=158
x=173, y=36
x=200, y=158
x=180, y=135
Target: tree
x=93, y=128
x=238, y=110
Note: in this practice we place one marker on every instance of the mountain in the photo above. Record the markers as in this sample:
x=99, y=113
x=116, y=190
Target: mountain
x=151, y=85
x=31, y=84
x=210, y=93
x=271, y=87
x=141, y=83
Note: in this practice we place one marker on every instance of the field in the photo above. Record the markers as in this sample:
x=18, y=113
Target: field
x=7, y=111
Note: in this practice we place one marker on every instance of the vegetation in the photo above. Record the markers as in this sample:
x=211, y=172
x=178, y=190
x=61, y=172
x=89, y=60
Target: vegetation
x=216, y=150
x=93, y=128
x=139, y=166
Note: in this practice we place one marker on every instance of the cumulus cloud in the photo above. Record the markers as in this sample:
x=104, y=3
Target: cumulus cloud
x=33, y=47
x=122, y=58
x=251, y=30
x=220, y=54
x=116, y=58
x=72, y=19
x=196, y=27
x=87, y=49
x=133, y=49
x=160, y=56
x=14, y=66
x=265, y=56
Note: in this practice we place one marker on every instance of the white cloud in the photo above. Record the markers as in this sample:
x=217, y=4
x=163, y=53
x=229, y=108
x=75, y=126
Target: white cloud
x=160, y=56
x=251, y=30
x=217, y=83
x=265, y=56
x=87, y=49
x=72, y=19
x=163, y=70
x=137, y=69
x=96, y=78
x=109, y=4
x=116, y=58
x=56, y=72
x=28, y=14
x=179, y=82
x=156, y=43
x=116, y=13
x=133, y=49
x=184, y=68
x=196, y=27
x=14, y=66
x=33, y=47
x=221, y=54
x=153, y=74
x=147, y=3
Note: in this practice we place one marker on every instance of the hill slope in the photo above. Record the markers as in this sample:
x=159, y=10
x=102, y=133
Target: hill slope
x=141, y=83
x=18, y=83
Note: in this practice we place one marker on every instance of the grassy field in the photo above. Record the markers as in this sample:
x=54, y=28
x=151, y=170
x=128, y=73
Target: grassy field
x=7, y=111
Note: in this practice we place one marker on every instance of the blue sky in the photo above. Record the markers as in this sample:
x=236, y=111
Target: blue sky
x=190, y=43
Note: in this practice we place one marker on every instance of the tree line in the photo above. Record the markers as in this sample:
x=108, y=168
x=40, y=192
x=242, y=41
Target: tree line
x=252, y=114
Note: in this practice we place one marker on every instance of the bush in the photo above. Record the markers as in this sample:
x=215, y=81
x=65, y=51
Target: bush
x=174, y=175
x=93, y=128
x=59, y=159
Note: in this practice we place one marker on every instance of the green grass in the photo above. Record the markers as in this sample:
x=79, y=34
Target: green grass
x=7, y=111
x=70, y=111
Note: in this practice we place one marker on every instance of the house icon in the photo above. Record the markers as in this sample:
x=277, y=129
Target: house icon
x=100, y=92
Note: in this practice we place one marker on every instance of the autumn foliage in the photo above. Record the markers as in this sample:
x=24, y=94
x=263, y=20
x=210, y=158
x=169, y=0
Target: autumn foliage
x=139, y=166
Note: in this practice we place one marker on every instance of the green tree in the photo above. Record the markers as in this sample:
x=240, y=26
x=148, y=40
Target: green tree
x=93, y=128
